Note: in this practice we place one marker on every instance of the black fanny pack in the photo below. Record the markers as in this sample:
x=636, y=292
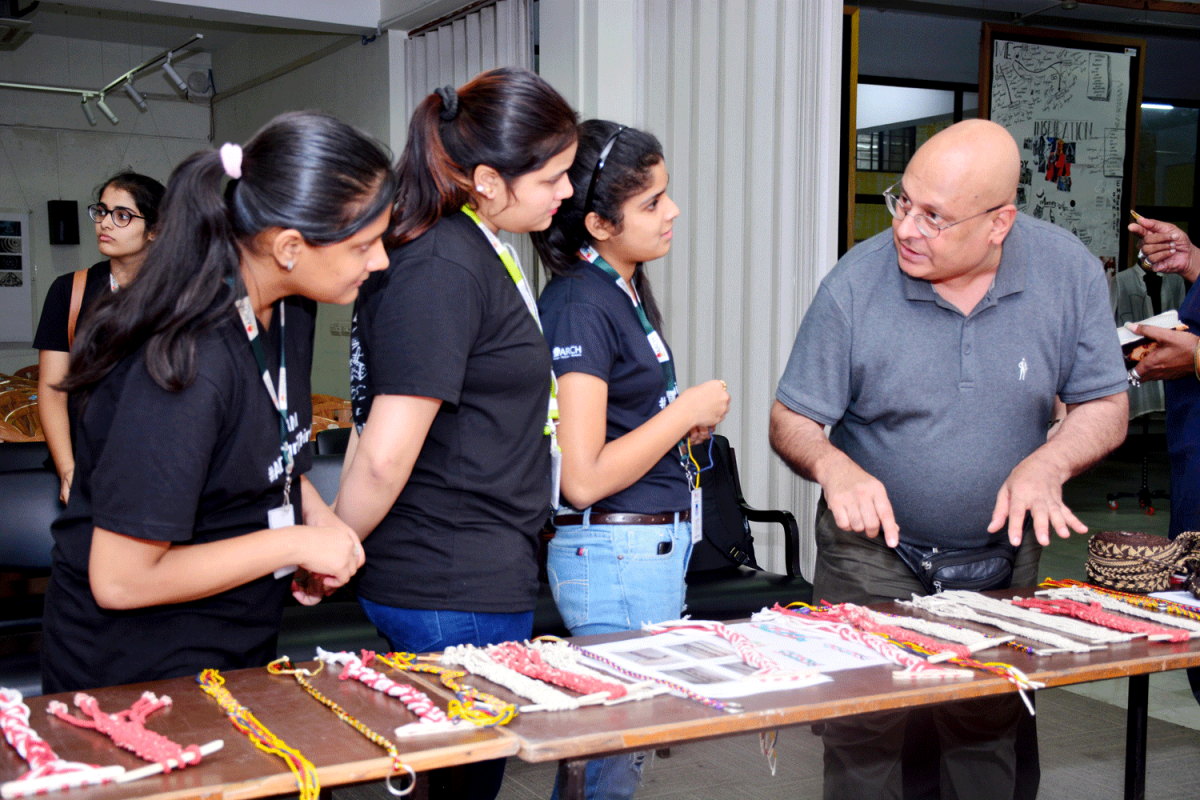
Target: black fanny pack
x=975, y=569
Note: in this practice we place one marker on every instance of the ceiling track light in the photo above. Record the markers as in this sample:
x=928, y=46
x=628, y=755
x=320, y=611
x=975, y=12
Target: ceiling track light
x=105, y=110
x=135, y=96
x=87, y=111
x=173, y=75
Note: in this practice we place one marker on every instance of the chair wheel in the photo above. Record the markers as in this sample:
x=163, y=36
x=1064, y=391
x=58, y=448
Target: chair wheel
x=1150, y=510
x=1112, y=504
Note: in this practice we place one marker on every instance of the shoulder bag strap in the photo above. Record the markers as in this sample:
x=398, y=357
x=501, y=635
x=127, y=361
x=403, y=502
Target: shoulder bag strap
x=77, y=284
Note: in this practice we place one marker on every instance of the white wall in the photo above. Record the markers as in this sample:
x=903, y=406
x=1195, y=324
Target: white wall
x=349, y=80
x=48, y=151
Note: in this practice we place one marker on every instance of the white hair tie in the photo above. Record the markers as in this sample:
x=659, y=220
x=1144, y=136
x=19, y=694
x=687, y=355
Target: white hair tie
x=231, y=159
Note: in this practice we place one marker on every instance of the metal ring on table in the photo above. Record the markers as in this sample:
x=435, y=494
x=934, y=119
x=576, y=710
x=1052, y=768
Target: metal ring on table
x=412, y=782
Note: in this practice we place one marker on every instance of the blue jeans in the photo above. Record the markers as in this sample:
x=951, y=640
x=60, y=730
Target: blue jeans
x=609, y=578
x=413, y=630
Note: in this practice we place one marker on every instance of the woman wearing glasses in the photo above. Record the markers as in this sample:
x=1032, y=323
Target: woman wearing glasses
x=619, y=561
x=126, y=214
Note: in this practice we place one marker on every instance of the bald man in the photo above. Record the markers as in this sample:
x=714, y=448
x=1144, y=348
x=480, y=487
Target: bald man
x=935, y=352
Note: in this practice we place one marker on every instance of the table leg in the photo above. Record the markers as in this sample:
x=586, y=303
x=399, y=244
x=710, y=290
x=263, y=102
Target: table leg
x=573, y=776
x=1135, y=737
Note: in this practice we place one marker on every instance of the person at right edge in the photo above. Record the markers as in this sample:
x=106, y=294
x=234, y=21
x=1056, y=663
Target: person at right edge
x=935, y=352
x=1176, y=362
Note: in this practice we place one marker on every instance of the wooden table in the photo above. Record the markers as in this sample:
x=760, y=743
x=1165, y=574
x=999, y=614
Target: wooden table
x=340, y=754
x=574, y=737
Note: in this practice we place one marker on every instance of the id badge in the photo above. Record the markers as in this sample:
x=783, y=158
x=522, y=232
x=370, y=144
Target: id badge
x=697, y=515
x=282, y=517
x=555, y=477
x=660, y=349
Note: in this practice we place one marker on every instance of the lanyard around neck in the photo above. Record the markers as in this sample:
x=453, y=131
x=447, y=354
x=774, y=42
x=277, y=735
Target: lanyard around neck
x=518, y=277
x=588, y=253
x=278, y=398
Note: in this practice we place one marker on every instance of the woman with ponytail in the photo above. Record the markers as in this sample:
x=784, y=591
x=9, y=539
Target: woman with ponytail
x=620, y=550
x=190, y=507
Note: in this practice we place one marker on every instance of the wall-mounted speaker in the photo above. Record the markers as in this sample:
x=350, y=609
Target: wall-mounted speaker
x=64, y=221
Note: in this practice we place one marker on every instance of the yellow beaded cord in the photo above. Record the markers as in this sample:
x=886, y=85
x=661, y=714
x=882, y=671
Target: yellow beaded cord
x=490, y=711
x=284, y=666
x=213, y=684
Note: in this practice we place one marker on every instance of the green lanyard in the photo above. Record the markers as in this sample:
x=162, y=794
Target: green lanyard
x=518, y=277
x=588, y=253
x=278, y=399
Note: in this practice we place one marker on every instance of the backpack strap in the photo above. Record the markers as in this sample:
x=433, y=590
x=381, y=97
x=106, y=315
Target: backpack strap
x=77, y=285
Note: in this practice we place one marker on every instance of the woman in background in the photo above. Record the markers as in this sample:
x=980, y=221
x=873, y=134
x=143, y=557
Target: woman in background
x=189, y=506
x=126, y=217
x=448, y=477
x=618, y=562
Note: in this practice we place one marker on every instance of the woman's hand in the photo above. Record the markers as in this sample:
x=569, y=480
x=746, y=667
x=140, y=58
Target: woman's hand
x=67, y=476
x=309, y=588
x=708, y=403
x=331, y=552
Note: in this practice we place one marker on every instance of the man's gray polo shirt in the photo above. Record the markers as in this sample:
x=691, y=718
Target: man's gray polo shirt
x=939, y=406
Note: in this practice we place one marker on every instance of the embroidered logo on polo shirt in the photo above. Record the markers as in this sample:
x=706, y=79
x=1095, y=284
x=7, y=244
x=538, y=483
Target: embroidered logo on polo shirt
x=1022, y=368
x=570, y=351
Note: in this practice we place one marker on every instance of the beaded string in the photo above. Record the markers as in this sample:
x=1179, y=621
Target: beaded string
x=213, y=684
x=959, y=611
x=748, y=651
x=1094, y=612
x=127, y=729
x=530, y=663
x=1165, y=611
x=476, y=661
x=912, y=664
x=711, y=702
x=470, y=704
x=47, y=772
x=284, y=666
x=1064, y=625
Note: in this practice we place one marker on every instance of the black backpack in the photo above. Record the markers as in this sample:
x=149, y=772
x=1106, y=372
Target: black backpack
x=727, y=540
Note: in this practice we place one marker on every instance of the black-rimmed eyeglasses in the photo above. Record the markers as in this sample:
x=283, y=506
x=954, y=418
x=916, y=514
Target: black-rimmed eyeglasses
x=900, y=206
x=121, y=216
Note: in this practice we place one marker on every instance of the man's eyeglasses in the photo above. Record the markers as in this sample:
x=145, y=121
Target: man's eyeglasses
x=926, y=226
x=121, y=216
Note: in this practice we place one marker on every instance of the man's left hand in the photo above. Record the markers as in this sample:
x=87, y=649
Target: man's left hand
x=1034, y=486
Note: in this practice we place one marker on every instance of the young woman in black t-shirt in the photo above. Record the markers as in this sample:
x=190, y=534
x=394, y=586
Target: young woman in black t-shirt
x=190, y=504
x=618, y=561
x=447, y=477
x=126, y=215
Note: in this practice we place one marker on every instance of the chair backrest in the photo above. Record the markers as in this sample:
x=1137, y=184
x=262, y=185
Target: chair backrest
x=28, y=506
x=23, y=455
x=333, y=441
x=326, y=475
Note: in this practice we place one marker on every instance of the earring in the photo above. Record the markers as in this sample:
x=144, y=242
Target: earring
x=290, y=266
x=479, y=188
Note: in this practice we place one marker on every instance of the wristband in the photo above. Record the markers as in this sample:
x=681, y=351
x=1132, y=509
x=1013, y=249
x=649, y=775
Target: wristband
x=1196, y=361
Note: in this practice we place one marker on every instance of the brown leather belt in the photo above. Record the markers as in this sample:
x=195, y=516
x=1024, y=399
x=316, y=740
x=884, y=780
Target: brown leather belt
x=618, y=518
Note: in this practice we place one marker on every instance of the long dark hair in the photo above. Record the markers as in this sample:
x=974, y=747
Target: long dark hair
x=509, y=119
x=303, y=170
x=626, y=171
x=146, y=192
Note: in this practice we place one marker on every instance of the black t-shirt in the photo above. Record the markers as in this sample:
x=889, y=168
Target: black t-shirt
x=446, y=321
x=593, y=328
x=52, y=327
x=188, y=467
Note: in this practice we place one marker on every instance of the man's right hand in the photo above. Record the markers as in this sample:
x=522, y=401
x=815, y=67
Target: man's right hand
x=1172, y=358
x=859, y=502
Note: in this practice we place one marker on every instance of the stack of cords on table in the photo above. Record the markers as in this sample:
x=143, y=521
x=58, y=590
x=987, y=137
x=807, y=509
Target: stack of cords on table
x=1095, y=613
x=470, y=704
x=284, y=666
x=47, y=772
x=557, y=653
x=127, y=729
x=307, y=782
x=748, y=651
x=430, y=718
x=533, y=659
x=1170, y=614
x=545, y=698
x=948, y=605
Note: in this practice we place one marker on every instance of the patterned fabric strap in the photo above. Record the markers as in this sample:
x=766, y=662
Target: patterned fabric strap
x=127, y=729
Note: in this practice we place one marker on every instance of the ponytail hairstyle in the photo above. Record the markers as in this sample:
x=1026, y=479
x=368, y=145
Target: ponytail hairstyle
x=146, y=192
x=304, y=170
x=508, y=119
x=626, y=172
